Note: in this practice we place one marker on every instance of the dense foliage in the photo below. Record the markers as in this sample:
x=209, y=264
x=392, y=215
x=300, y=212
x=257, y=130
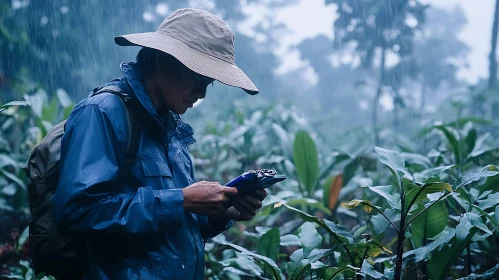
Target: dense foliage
x=423, y=203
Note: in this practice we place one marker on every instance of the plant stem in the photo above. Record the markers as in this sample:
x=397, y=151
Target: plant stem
x=467, y=268
x=401, y=238
x=381, y=212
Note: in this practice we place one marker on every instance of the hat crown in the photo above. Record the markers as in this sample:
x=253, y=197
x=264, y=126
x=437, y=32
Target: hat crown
x=202, y=31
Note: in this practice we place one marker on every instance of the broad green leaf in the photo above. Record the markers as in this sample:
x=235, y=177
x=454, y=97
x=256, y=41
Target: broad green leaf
x=276, y=272
x=484, y=275
x=306, y=160
x=491, y=219
x=431, y=173
x=13, y=178
x=368, y=270
x=37, y=101
x=473, y=177
x=284, y=139
x=423, y=252
x=443, y=259
x=491, y=201
x=389, y=193
x=333, y=272
x=341, y=231
x=417, y=159
x=308, y=202
x=317, y=254
x=13, y=103
x=452, y=138
x=380, y=224
x=366, y=205
x=290, y=240
x=298, y=273
x=63, y=97
x=268, y=244
x=338, y=236
x=492, y=181
x=374, y=248
x=419, y=194
x=395, y=162
x=50, y=111
x=309, y=237
x=430, y=223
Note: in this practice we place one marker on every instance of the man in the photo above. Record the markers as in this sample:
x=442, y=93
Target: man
x=153, y=224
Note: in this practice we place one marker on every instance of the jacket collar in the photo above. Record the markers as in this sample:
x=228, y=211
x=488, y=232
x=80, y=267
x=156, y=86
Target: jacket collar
x=173, y=121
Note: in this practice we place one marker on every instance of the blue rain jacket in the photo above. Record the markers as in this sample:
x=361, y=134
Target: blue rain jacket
x=139, y=229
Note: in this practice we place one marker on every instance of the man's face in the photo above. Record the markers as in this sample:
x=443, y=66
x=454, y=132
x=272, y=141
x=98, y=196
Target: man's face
x=179, y=94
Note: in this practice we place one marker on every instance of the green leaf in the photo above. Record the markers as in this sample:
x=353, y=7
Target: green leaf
x=310, y=203
x=417, y=159
x=431, y=173
x=22, y=239
x=484, y=275
x=453, y=141
x=268, y=244
x=334, y=272
x=379, y=223
x=419, y=194
x=430, y=223
x=12, y=104
x=309, y=237
x=63, y=97
x=276, y=272
x=422, y=253
x=13, y=178
x=395, y=162
x=492, y=181
x=390, y=194
x=368, y=270
x=442, y=260
x=473, y=177
x=339, y=235
x=306, y=161
x=67, y=111
x=290, y=240
x=491, y=219
x=491, y=201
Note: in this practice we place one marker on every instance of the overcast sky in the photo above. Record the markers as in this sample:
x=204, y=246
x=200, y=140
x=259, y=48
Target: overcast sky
x=308, y=18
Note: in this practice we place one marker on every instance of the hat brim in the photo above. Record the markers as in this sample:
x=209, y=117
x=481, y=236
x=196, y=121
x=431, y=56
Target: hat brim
x=197, y=61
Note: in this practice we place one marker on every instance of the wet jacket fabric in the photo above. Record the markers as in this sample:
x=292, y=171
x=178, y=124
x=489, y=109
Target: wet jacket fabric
x=137, y=229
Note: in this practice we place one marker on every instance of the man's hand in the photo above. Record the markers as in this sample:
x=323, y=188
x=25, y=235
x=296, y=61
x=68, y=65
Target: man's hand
x=244, y=209
x=207, y=198
x=245, y=206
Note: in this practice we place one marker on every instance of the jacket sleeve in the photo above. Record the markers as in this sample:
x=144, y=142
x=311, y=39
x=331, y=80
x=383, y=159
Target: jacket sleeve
x=87, y=200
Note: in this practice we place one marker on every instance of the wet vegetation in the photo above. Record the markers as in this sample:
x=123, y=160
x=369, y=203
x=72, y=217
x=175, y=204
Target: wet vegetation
x=392, y=160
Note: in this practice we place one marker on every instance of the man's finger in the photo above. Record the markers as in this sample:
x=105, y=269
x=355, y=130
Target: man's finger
x=252, y=201
x=230, y=191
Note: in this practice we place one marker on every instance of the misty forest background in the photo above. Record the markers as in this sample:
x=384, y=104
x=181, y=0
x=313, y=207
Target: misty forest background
x=387, y=79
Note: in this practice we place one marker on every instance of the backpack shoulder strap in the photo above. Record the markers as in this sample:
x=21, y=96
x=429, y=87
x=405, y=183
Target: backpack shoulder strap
x=134, y=127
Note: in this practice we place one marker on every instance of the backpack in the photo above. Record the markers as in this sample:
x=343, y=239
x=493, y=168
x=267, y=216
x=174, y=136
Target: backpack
x=53, y=252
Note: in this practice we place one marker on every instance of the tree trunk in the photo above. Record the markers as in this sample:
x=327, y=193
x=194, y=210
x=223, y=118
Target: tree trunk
x=379, y=90
x=492, y=55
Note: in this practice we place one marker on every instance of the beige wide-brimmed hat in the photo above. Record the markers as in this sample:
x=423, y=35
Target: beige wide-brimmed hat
x=201, y=41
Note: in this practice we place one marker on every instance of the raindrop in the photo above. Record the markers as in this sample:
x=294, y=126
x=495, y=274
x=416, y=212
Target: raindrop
x=64, y=9
x=162, y=9
x=44, y=20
